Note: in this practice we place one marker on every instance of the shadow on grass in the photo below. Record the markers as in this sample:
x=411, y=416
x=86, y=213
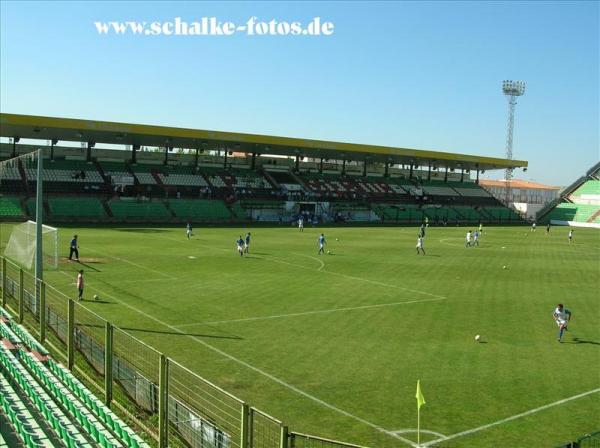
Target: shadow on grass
x=583, y=341
x=176, y=333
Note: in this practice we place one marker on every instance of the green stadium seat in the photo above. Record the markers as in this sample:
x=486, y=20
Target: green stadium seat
x=203, y=210
x=10, y=207
x=76, y=207
x=124, y=209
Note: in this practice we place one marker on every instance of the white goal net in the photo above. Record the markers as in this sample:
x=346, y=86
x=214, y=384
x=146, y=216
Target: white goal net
x=21, y=245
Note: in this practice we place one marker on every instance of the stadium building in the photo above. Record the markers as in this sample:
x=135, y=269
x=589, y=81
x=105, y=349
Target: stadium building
x=527, y=197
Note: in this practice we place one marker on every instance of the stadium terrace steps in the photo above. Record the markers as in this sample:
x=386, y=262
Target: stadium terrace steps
x=10, y=207
x=76, y=207
x=589, y=187
x=203, y=210
x=130, y=209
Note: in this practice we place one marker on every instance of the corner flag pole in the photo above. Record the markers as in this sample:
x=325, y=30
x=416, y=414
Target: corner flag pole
x=420, y=402
x=39, y=209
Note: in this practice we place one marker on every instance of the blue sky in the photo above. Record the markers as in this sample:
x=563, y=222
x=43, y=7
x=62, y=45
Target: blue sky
x=423, y=75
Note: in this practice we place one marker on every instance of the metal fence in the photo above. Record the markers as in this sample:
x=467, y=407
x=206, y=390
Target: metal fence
x=587, y=441
x=150, y=390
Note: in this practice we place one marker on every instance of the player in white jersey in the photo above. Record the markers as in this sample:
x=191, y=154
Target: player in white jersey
x=570, y=236
x=533, y=226
x=468, y=242
x=301, y=223
x=561, y=316
x=420, y=244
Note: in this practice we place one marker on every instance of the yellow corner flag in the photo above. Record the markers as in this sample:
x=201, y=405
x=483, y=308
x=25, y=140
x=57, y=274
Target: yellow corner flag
x=420, y=398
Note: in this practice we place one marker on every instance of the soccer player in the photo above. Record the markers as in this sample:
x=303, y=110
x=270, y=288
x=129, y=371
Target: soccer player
x=420, y=244
x=468, y=242
x=188, y=231
x=80, y=285
x=547, y=229
x=562, y=316
x=322, y=243
x=74, y=249
x=426, y=221
x=240, y=246
x=247, y=243
x=476, y=238
x=533, y=226
x=301, y=223
x=480, y=228
x=422, y=230
x=570, y=236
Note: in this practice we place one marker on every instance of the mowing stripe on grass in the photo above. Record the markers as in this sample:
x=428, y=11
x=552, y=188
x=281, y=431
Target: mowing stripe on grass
x=508, y=419
x=132, y=264
x=306, y=313
x=256, y=369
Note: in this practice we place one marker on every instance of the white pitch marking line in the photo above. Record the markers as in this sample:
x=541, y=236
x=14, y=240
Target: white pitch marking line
x=313, y=258
x=306, y=313
x=260, y=371
x=133, y=264
x=426, y=431
x=508, y=419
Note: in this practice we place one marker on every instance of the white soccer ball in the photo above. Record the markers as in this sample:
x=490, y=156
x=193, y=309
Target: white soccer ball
x=328, y=251
x=337, y=239
x=503, y=267
x=95, y=296
x=477, y=338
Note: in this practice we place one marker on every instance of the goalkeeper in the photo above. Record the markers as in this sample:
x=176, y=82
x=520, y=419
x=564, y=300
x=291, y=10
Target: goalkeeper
x=74, y=249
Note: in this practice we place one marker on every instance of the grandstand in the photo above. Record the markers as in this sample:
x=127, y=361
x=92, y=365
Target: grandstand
x=579, y=203
x=381, y=185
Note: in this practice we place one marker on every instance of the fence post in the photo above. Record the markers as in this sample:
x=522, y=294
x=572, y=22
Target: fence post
x=21, y=296
x=70, y=333
x=283, y=440
x=108, y=367
x=244, y=428
x=163, y=407
x=42, y=311
x=4, y=282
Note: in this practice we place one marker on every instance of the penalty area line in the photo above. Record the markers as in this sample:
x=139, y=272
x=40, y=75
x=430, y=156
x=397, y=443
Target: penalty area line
x=508, y=419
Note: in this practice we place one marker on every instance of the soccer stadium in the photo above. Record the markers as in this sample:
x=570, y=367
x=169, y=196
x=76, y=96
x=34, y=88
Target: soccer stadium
x=180, y=267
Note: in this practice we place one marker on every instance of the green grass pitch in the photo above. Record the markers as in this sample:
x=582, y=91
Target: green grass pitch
x=334, y=344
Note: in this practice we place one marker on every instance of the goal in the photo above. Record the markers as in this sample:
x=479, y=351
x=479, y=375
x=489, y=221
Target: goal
x=21, y=245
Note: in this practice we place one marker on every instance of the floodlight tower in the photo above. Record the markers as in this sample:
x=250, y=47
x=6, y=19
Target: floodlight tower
x=511, y=89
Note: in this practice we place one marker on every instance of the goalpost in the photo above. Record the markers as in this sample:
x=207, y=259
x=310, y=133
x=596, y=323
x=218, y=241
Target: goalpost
x=21, y=247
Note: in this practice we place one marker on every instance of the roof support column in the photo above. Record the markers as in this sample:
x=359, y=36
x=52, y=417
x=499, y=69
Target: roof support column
x=253, y=163
x=196, y=160
x=134, y=149
x=411, y=171
x=52, y=143
x=477, y=180
x=446, y=175
x=386, y=172
x=166, y=161
x=297, y=163
x=225, y=159
x=429, y=173
x=365, y=168
x=15, y=141
x=88, y=155
x=462, y=174
x=321, y=166
x=344, y=167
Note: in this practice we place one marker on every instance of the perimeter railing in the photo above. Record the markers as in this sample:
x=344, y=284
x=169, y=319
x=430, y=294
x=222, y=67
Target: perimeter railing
x=170, y=405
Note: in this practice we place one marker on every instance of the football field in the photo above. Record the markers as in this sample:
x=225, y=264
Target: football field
x=334, y=344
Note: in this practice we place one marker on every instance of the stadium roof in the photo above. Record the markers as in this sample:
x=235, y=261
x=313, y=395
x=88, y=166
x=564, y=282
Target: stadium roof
x=68, y=129
x=516, y=183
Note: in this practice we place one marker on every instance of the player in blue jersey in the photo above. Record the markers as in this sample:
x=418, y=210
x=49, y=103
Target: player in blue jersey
x=240, y=246
x=561, y=316
x=322, y=243
x=247, y=243
x=74, y=248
